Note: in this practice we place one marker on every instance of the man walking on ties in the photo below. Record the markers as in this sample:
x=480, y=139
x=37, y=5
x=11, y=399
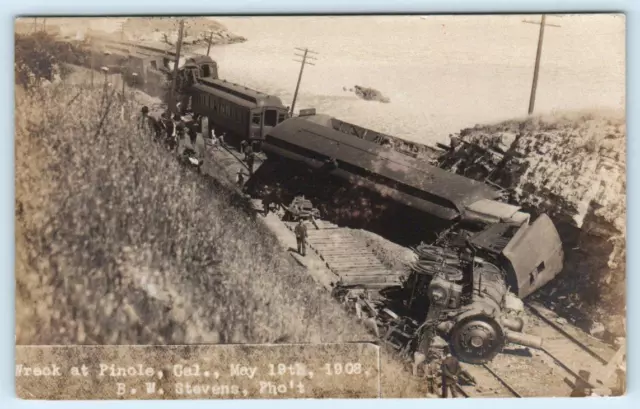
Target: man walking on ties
x=301, y=237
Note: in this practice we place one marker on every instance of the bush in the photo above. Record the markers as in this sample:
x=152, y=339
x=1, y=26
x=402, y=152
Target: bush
x=40, y=56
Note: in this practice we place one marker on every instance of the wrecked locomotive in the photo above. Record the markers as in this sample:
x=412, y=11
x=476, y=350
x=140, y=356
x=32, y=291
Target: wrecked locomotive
x=467, y=286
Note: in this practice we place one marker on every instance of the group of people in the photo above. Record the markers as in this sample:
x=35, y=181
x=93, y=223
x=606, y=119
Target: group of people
x=170, y=128
x=443, y=367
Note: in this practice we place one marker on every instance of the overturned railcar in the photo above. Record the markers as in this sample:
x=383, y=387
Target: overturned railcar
x=310, y=149
x=484, y=254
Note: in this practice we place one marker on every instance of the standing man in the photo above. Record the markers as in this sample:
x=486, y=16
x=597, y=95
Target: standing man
x=451, y=370
x=301, y=237
x=143, y=121
x=169, y=129
x=250, y=157
x=240, y=179
x=266, y=202
x=432, y=371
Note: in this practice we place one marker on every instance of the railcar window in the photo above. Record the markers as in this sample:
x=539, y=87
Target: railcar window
x=154, y=65
x=270, y=117
x=280, y=118
x=206, y=71
x=255, y=119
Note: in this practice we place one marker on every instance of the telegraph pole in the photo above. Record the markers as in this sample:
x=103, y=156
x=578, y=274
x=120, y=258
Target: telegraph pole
x=209, y=43
x=92, y=62
x=303, y=62
x=536, y=69
x=174, y=78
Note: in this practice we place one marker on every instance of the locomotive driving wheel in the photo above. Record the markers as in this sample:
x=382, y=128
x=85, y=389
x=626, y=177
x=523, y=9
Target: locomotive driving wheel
x=477, y=339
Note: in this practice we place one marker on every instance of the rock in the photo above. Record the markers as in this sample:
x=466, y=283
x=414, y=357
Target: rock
x=370, y=94
x=561, y=321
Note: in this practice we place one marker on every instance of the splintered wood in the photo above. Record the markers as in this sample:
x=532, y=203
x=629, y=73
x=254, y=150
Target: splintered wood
x=568, y=165
x=571, y=166
x=348, y=258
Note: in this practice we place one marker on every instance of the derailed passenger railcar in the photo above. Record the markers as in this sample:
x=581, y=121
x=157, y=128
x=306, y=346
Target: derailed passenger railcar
x=239, y=112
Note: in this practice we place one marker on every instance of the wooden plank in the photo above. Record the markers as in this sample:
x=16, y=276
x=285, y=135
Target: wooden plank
x=342, y=256
x=346, y=263
x=347, y=250
x=377, y=267
x=366, y=280
x=350, y=256
x=368, y=286
x=353, y=261
x=321, y=237
x=354, y=267
x=366, y=273
x=338, y=244
x=328, y=240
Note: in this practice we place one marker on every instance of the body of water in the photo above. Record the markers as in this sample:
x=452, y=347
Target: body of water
x=441, y=73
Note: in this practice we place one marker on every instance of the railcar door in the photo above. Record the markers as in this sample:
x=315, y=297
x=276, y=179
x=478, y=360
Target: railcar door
x=271, y=118
x=256, y=124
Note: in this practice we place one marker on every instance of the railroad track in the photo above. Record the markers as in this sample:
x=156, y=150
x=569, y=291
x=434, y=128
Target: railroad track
x=489, y=383
x=572, y=349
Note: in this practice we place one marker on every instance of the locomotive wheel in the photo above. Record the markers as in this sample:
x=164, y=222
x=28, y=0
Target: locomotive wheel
x=477, y=339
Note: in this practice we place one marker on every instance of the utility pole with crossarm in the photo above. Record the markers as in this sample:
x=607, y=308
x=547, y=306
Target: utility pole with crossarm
x=536, y=69
x=305, y=56
x=174, y=77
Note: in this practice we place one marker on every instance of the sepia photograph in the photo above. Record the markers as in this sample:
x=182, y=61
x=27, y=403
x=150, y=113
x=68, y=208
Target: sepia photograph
x=373, y=206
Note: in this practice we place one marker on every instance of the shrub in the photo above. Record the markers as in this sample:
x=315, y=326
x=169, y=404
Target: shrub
x=40, y=56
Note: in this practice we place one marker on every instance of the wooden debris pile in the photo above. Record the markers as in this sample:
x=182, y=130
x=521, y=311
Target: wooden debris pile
x=572, y=167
